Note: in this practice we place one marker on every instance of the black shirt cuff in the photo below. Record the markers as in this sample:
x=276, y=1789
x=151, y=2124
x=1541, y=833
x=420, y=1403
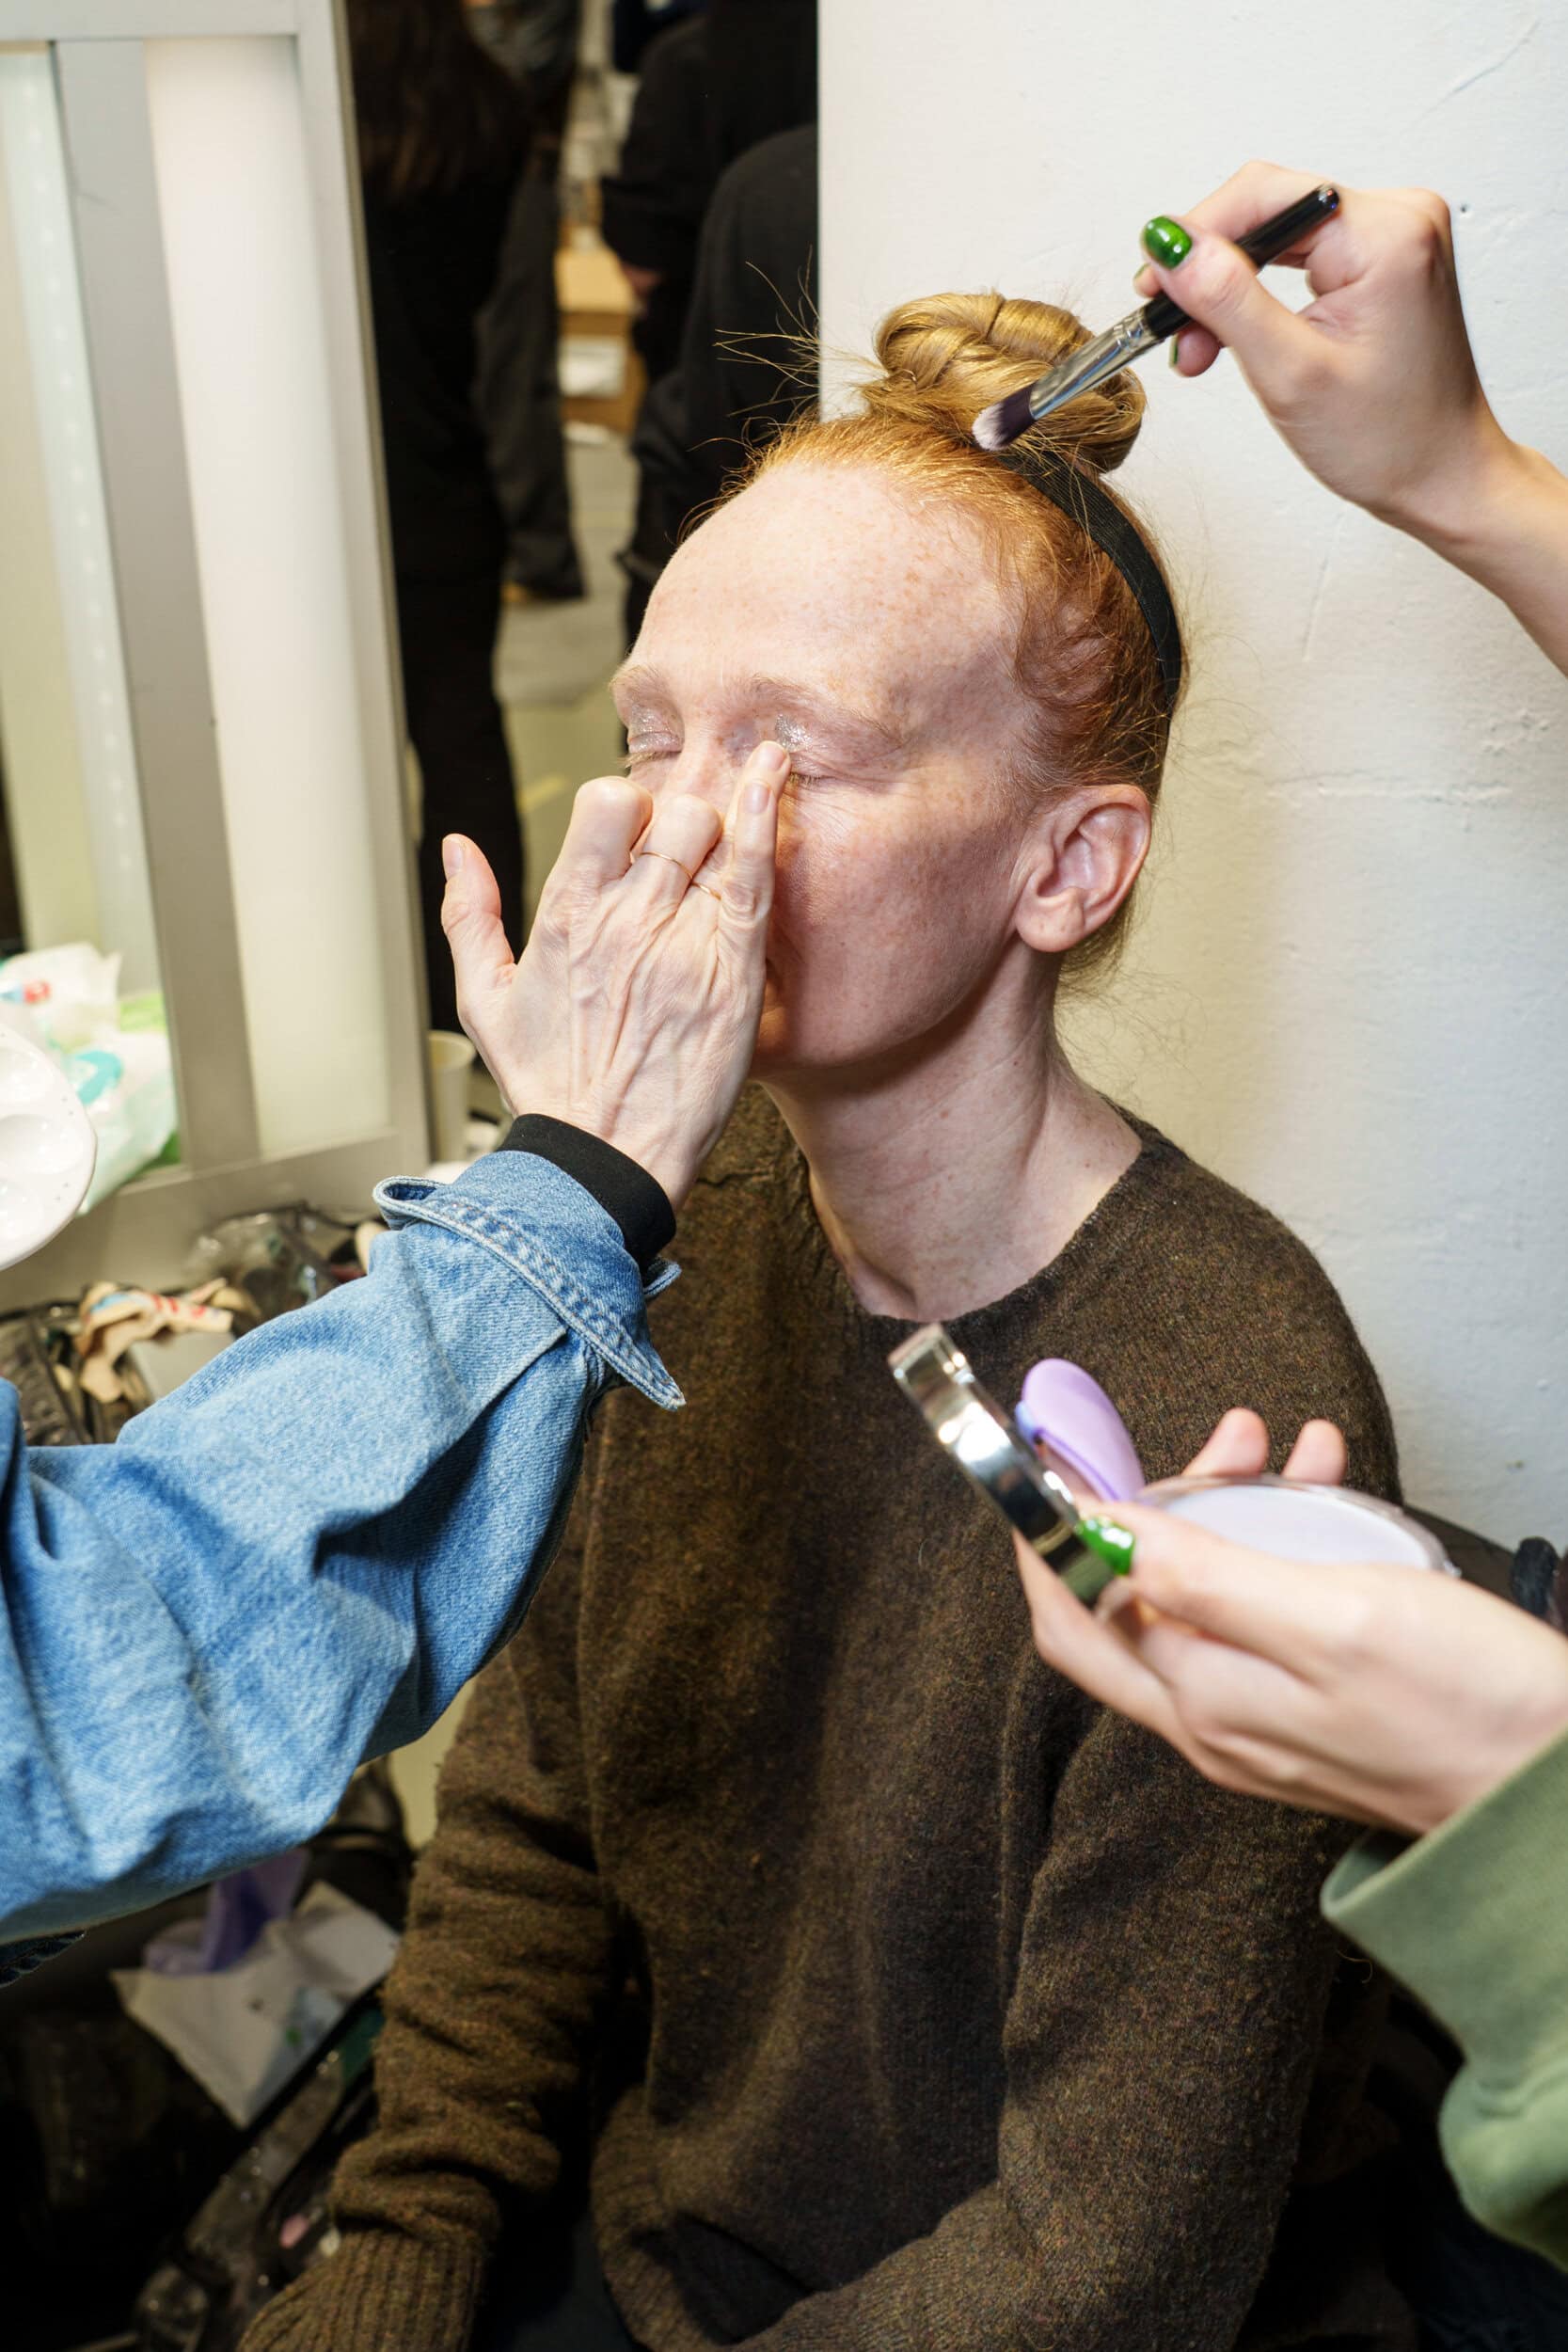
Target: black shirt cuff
x=639, y=1204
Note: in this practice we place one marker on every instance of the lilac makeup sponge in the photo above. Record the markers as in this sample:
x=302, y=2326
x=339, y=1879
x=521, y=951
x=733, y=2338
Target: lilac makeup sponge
x=1072, y=1412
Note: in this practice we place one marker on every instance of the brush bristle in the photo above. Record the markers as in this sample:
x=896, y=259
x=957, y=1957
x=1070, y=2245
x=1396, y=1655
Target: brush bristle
x=999, y=426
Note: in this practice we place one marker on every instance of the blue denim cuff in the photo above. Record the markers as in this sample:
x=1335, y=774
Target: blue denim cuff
x=551, y=1231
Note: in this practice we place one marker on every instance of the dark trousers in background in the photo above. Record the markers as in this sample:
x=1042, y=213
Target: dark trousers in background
x=561, y=2309
x=520, y=392
x=446, y=637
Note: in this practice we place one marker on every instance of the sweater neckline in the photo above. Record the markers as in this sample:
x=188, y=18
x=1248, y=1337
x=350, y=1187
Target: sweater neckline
x=1064, y=1285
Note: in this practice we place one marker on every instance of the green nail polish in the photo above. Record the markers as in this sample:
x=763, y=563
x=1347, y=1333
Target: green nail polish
x=1174, y=360
x=1108, y=1542
x=1165, y=240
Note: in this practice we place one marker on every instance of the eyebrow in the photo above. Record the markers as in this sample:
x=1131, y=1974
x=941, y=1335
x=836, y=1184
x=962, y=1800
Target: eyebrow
x=785, y=695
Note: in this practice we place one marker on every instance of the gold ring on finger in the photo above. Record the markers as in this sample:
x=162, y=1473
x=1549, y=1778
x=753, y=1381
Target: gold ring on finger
x=668, y=860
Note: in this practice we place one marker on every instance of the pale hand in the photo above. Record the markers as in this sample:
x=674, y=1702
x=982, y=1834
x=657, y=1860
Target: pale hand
x=1384, y=1694
x=633, y=1011
x=1373, y=383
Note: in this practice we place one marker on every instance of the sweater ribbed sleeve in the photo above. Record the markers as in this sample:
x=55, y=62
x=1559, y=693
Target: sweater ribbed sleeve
x=376, y=2291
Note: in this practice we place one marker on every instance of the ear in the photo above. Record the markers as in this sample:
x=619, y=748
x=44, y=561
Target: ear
x=1081, y=860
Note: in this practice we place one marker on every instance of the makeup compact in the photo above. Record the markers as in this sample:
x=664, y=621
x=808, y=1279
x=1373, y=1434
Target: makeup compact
x=47, y=1148
x=1067, y=1448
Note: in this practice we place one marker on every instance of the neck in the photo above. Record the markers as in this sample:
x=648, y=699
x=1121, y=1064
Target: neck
x=945, y=1183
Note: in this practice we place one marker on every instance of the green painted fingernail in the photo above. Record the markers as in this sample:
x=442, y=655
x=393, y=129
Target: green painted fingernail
x=1174, y=360
x=1108, y=1542
x=1165, y=240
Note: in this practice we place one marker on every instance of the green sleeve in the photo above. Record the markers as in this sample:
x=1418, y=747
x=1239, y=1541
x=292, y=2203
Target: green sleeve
x=1474, y=1919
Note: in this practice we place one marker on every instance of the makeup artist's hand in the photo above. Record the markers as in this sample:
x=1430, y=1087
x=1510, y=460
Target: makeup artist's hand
x=633, y=1011
x=1373, y=385
x=1383, y=1692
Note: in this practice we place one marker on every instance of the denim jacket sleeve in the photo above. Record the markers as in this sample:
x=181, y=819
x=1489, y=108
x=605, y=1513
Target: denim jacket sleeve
x=297, y=1560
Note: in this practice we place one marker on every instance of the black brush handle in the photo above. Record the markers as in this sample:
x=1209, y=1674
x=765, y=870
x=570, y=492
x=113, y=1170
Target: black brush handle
x=1265, y=242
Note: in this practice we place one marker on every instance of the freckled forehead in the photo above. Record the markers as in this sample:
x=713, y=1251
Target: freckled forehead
x=844, y=580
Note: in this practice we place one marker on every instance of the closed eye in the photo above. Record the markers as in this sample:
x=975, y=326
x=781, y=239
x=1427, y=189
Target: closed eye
x=642, y=757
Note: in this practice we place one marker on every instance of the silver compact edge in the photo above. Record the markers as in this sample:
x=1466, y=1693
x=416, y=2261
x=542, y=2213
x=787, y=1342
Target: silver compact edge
x=984, y=1443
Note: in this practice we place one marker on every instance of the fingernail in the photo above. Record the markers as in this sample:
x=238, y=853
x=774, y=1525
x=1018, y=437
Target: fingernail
x=1143, y=280
x=1108, y=1542
x=451, y=856
x=1174, y=360
x=1165, y=240
x=772, y=760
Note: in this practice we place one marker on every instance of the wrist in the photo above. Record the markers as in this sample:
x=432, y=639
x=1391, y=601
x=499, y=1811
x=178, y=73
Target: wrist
x=1537, y=1720
x=658, y=1155
x=663, y=1147
x=621, y=1186
x=1476, y=506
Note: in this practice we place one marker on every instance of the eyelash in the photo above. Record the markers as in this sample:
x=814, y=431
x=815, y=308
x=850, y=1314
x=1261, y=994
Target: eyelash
x=631, y=761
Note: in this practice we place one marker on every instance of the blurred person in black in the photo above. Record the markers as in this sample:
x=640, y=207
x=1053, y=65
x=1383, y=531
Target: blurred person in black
x=634, y=22
x=519, y=381
x=713, y=87
x=748, y=361
x=443, y=138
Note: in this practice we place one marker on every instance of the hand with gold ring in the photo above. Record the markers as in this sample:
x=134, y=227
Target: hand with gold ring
x=633, y=1011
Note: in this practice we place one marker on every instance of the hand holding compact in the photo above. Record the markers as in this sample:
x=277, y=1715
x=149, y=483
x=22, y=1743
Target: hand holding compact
x=633, y=1011
x=1374, y=1691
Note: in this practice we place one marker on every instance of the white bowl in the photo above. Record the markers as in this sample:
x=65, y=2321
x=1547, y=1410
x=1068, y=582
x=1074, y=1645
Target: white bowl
x=47, y=1148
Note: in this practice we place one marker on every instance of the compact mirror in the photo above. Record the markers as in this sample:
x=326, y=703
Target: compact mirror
x=1030, y=1489
x=1032, y=1484
x=1299, y=1521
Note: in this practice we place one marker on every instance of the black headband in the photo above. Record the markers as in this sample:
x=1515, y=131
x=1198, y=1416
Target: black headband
x=1116, y=535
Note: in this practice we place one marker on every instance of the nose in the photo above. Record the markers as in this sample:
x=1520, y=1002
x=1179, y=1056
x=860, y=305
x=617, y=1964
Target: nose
x=708, y=768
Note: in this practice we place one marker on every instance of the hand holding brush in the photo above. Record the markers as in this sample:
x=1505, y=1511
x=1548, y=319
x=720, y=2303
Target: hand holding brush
x=1105, y=355
x=1373, y=383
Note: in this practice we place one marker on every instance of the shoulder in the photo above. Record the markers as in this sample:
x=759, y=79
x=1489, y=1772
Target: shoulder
x=1204, y=1235
x=1209, y=1278
x=751, y=185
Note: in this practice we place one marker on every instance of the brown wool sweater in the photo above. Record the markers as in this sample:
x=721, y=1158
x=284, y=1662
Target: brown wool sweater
x=965, y=2016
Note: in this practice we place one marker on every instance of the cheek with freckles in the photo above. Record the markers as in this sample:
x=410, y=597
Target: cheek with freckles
x=881, y=925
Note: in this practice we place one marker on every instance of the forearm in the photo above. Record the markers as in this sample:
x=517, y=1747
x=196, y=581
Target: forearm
x=300, y=1558
x=1508, y=529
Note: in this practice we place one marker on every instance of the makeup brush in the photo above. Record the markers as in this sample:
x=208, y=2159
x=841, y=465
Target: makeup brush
x=999, y=426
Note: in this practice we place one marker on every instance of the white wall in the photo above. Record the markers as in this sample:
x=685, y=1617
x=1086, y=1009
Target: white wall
x=1350, y=988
